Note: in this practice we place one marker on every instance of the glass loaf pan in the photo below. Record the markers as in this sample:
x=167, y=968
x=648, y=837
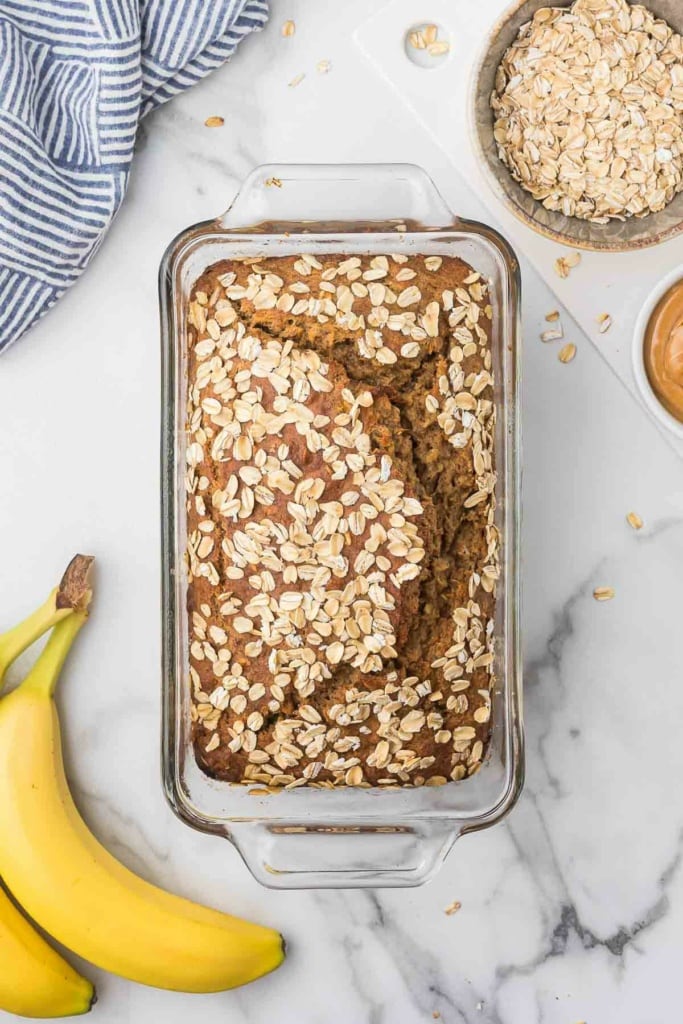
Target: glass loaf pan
x=348, y=837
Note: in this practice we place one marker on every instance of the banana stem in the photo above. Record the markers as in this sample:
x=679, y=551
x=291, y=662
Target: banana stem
x=72, y=594
x=44, y=675
x=21, y=636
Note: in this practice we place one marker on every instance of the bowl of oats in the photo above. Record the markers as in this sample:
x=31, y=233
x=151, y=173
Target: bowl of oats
x=577, y=115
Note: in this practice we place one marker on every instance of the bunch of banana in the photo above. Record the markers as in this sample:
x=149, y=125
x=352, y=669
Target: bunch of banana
x=35, y=981
x=68, y=882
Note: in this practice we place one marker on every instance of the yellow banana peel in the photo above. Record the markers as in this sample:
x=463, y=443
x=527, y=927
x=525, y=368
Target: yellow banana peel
x=35, y=981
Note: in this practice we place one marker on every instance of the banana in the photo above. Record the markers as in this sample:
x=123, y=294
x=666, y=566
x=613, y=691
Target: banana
x=78, y=892
x=35, y=981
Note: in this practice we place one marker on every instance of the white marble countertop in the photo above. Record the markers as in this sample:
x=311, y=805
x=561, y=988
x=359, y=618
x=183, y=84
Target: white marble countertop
x=572, y=909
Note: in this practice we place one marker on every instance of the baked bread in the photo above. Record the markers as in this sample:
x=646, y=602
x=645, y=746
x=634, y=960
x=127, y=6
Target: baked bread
x=342, y=553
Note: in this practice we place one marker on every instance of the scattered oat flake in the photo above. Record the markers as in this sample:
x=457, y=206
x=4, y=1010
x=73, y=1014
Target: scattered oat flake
x=274, y=182
x=453, y=907
x=552, y=334
x=430, y=33
x=634, y=520
x=436, y=1015
x=603, y=593
x=417, y=40
x=323, y=66
x=288, y=28
x=604, y=322
x=567, y=353
x=214, y=122
x=439, y=48
x=297, y=80
x=563, y=264
x=552, y=316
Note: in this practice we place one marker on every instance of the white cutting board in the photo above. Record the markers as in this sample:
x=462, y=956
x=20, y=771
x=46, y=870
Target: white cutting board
x=617, y=284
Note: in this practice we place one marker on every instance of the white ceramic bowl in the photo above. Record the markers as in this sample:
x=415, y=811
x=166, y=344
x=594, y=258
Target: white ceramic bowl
x=648, y=396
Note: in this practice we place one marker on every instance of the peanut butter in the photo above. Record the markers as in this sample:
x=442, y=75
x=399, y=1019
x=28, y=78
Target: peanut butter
x=663, y=350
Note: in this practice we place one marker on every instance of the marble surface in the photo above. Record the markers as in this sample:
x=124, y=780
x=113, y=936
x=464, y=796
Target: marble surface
x=572, y=909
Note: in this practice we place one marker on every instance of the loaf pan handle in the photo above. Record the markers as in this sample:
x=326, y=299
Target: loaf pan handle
x=314, y=195
x=342, y=857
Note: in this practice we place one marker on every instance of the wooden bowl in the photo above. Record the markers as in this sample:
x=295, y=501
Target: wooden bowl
x=616, y=236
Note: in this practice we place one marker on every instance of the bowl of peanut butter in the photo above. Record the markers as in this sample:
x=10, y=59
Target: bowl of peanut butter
x=658, y=352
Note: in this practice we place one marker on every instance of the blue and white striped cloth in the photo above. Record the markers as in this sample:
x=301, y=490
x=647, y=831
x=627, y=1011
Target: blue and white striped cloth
x=75, y=78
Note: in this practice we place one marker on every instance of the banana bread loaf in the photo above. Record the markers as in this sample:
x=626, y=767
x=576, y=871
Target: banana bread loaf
x=342, y=554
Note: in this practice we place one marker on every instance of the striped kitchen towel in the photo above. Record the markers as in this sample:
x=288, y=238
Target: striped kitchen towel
x=75, y=78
